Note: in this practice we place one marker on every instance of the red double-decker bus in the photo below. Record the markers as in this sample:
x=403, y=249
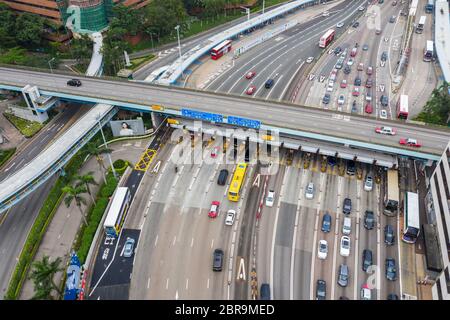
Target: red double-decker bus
x=220, y=49
x=326, y=38
x=402, y=107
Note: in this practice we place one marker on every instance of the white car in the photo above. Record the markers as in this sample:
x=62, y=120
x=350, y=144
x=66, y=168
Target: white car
x=330, y=87
x=309, y=192
x=310, y=59
x=270, y=198
x=345, y=246
x=325, y=14
x=340, y=25
x=365, y=292
x=322, y=250
x=361, y=8
x=341, y=99
x=350, y=62
x=368, y=97
x=383, y=114
x=229, y=219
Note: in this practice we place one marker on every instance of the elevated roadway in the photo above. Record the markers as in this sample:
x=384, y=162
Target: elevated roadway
x=322, y=125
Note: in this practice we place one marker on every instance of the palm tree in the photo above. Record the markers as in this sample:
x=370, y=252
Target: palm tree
x=75, y=193
x=93, y=150
x=42, y=275
x=86, y=180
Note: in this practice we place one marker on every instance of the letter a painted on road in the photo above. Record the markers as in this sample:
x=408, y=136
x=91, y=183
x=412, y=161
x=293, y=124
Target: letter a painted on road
x=241, y=270
x=156, y=167
x=257, y=179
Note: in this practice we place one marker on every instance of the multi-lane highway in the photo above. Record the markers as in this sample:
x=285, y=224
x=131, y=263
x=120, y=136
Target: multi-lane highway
x=281, y=115
x=283, y=56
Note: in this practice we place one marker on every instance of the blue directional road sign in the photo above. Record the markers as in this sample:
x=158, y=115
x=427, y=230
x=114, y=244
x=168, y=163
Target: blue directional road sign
x=243, y=122
x=201, y=115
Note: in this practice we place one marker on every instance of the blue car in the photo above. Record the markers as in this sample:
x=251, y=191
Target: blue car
x=391, y=271
x=326, y=222
x=331, y=161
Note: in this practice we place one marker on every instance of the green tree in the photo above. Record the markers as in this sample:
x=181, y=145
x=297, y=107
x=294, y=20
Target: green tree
x=42, y=274
x=163, y=15
x=126, y=18
x=29, y=28
x=437, y=109
x=75, y=193
x=7, y=27
x=87, y=180
x=81, y=48
x=93, y=150
x=14, y=56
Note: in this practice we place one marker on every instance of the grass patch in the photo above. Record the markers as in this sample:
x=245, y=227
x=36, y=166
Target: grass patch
x=136, y=63
x=26, y=127
x=5, y=155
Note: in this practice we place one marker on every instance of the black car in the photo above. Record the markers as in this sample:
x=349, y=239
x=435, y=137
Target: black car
x=347, y=207
x=391, y=271
x=347, y=69
x=354, y=107
x=331, y=161
x=366, y=259
x=357, y=81
x=217, y=260
x=343, y=275
x=389, y=236
x=326, y=222
x=356, y=24
x=223, y=175
x=369, y=220
x=74, y=83
x=269, y=83
x=326, y=98
x=392, y=296
x=351, y=167
x=321, y=290
x=384, y=56
x=384, y=100
x=337, y=50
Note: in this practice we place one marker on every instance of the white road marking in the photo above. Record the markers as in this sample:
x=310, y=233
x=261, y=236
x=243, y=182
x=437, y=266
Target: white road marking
x=167, y=284
x=148, y=283
x=187, y=284
x=192, y=242
x=156, y=240
x=174, y=240
x=207, y=284
x=212, y=243
x=241, y=270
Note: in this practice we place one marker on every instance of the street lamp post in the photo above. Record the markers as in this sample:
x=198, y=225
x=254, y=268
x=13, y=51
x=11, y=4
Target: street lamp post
x=106, y=146
x=264, y=4
x=247, y=10
x=179, y=49
x=50, y=65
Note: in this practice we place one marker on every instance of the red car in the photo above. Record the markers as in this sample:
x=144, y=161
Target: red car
x=368, y=109
x=214, y=211
x=344, y=83
x=250, y=74
x=250, y=90
x=410, y=142
x=355, y=92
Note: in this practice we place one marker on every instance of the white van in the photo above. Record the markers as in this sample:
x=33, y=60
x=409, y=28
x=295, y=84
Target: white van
x=347, y=226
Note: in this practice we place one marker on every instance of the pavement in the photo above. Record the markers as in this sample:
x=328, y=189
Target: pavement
x=12, y=137
x=61, y=232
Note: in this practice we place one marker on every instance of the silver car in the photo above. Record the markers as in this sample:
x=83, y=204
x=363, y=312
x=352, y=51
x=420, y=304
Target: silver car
x=128, y=248
x=309, y=192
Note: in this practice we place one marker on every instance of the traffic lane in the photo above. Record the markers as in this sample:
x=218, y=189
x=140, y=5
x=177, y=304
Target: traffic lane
x=282, y=251
x=368, y=238
x=173, y=98
x=188, y=44
x=41, y=139
x=113, y=284
x=140, y=280
x=272, y=48
x=14, y=230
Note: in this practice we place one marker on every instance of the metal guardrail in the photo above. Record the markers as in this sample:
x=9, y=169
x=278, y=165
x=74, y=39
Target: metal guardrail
x=54, y=168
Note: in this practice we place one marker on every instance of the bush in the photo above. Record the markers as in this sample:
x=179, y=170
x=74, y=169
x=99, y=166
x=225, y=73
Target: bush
x=120, y=166
x=26, y=127
x=5, y=155
x=95, y=215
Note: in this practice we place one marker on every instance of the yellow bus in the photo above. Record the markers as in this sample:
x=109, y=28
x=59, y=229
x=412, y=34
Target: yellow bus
x=236, y=183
